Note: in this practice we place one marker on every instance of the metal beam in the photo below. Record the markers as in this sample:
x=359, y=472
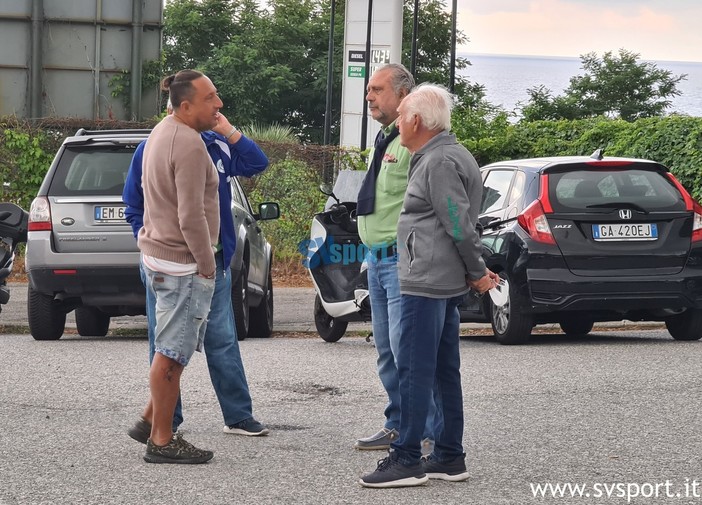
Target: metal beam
x=137, y=35
x=35, y=80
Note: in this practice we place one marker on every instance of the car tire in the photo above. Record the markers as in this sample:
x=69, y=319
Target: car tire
x=328, y=327
x=46, y=316
x=240, y=302
x=685, y=326
x=261, y=322
x=577, y=325
x=510, y=325
x=91, y=322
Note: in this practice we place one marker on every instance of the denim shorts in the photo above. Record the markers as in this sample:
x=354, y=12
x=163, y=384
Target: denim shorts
x=182, y=306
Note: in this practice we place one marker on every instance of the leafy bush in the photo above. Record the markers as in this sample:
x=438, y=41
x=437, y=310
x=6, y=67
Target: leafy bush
x=270, y=133
x=295, y=186
x=675, y=141
x=23, y=163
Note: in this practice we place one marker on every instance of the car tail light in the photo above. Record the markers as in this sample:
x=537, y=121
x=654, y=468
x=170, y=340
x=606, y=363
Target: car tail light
x=697, y=222
x=534, y=222
x=690, y=204
x=40, y=215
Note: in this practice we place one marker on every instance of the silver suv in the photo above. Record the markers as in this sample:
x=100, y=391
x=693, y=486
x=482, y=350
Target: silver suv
x=81, y=253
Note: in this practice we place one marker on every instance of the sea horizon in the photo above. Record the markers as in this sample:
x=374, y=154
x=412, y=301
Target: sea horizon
x=556, y=57
x=506, y=79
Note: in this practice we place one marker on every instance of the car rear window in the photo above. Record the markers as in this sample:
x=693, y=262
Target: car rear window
x=578, y=190
x=92, y=171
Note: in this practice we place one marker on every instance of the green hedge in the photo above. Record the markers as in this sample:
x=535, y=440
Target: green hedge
x=675, y=141
x=295, y=186
x=295, y=173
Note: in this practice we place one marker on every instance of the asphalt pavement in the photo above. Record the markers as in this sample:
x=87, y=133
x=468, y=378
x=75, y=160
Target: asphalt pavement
x=615, y=409
x=293, y=312
x=615, y=413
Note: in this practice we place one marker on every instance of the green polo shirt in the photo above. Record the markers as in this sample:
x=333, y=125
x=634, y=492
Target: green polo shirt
x=380, y=227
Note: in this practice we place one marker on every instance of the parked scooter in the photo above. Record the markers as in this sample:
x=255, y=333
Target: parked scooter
x=13, y=230
x=336, y=262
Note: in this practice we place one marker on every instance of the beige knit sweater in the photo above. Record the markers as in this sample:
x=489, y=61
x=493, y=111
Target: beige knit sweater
x=181, y=205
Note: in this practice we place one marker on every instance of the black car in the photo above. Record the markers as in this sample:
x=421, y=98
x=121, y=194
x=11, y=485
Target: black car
x=588, y=239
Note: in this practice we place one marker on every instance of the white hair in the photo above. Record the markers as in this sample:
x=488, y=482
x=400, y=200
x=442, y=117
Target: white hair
x=432, y=103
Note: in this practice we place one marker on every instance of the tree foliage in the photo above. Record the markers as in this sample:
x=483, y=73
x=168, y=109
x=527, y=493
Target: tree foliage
x=433, y=45
x=614, y=86
x=270, y=63
x=192, y=30
x=24, y=159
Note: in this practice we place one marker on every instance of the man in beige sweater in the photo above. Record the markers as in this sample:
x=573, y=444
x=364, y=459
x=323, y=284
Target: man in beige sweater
x=177, y=242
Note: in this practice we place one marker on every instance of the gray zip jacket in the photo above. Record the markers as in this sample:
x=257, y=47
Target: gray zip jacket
x=437, y=240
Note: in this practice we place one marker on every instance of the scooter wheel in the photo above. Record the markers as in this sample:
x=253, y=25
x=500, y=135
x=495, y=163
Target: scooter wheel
x=329, y=328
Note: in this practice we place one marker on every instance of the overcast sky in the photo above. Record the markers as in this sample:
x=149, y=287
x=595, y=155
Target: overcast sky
x=656, y=29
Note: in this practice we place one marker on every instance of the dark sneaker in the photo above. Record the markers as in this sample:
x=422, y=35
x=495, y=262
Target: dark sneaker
x=249, y=427
x=392, y=473
x=453, y=470
x=378, y=442
x=177, y=451
x=141, y=431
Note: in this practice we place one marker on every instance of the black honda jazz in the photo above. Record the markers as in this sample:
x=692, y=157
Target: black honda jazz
x=588, y=239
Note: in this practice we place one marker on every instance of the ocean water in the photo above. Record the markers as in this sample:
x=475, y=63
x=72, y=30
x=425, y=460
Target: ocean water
x=507, y=78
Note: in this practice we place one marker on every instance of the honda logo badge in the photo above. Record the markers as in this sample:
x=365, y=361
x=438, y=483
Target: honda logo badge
x=625, y=214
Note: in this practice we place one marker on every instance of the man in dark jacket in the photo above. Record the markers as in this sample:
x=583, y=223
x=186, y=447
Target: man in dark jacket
x=439, y=261
x=379, y=203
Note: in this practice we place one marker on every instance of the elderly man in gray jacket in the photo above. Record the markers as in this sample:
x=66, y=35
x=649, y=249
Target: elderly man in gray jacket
x=439, y=261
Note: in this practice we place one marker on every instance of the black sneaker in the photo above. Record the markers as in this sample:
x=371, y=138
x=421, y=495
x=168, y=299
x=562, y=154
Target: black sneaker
x=141, y=431
x=248, y=427
x=177, y=451
x=453, y=470
x=392, y=473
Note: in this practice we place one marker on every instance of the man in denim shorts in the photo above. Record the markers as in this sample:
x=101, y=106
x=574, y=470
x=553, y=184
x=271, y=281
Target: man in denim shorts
x=234, y=155
x=178, y=243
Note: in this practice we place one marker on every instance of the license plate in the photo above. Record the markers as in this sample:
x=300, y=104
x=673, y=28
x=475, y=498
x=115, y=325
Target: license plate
x=625, y=231
x=109, y=213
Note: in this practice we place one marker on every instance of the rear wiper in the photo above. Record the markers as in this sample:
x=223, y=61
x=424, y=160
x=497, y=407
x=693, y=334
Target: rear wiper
x=497, y=223
x=618, y=205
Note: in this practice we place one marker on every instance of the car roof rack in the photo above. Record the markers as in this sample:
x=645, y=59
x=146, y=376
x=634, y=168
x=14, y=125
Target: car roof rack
x=82, y=131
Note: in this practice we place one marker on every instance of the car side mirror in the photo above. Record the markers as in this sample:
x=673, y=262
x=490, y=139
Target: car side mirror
x=268, y=211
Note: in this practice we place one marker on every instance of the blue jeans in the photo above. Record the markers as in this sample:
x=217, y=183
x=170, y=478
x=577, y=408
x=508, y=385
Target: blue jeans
x=384, y=291
x=221, y=349
x=429, y=365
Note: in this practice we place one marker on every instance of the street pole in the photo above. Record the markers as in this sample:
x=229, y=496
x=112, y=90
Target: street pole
x=330, y=77
x=364, y=117
x=454, y=15
x=415, y=34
